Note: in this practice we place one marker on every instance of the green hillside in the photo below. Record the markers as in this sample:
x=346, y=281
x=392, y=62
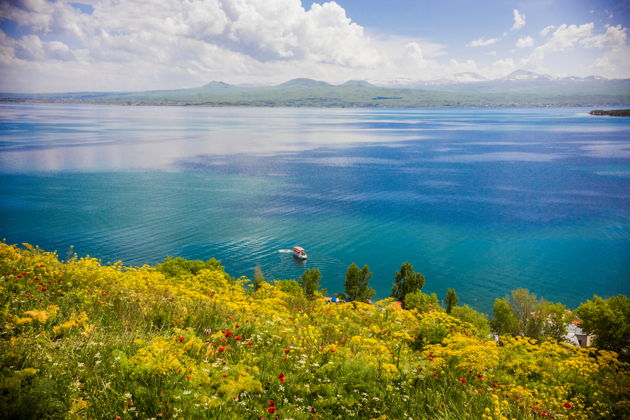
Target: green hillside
x=312, y=93
x=80, y=339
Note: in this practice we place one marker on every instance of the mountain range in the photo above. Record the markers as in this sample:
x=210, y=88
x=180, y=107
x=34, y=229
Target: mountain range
x=520, y=88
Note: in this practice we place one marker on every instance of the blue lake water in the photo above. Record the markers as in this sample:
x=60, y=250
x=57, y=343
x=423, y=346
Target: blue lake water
x=482, y=200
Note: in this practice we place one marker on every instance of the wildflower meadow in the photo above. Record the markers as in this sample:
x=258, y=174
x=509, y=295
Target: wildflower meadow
x=83, y=339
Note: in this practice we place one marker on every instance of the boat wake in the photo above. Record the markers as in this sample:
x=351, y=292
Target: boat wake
x=285, y=251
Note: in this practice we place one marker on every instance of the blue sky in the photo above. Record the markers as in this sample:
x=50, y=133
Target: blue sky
x=112, y=45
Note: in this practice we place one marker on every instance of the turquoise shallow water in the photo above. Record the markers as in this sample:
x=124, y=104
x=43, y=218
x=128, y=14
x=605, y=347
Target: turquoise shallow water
x=480, y=200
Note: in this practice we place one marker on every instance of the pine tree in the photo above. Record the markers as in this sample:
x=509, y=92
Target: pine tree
x=309, y=282
x=406, y=281
x=357, y=283
x=450, y=300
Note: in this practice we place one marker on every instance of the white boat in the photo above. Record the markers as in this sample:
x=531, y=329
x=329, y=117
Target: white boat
x=298, y=252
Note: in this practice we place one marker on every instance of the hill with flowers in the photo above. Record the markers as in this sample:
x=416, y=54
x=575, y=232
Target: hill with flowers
x=80, y=339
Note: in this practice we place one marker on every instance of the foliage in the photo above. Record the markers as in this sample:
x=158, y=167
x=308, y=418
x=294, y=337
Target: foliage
x=259, y=277
x=290, y=287
x=450, y=300
x=406, y=281
x=357, y=285
x=609, y=320
x=478, y=319
x=79, y=339
x=422, y=302
x=309, y=282
x=504, y=321
x=178, y=266
x=528, y=316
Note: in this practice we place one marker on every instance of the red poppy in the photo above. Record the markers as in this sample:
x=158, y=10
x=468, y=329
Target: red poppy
x=281, y=377
x=228, y=333
x=287, y=350
x=42, y=288
x=271, y=410
x=221, y=348
x=181, y=339
x=272, y=403
x=462, y=380
x=480, y=376
x=480, y=391
x=225, y=375
x=19, y=276
x=236, y=326
x=238, y=337
x=435, y=374
x=567, y=405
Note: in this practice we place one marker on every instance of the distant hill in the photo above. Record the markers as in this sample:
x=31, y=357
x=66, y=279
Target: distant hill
x=520, y=88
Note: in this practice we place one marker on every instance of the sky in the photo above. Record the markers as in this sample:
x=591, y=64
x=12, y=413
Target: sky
x=115, y=45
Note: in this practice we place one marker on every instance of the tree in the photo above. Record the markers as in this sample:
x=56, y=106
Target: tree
x=422, y=302
x=259, y=277
x=173, y=267
x=406, y=281
x=557, y=319
x=309, y=282
x=450, y=300
x=504, y=321
x=357, y=283
x=609, y=320
x=478, y=319
x=524, y=306
x=290, y=287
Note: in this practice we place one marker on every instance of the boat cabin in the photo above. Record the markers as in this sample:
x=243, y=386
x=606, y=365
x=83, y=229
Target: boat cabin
x=298, y=252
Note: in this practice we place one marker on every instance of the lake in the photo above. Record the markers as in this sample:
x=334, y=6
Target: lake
x=480, y=200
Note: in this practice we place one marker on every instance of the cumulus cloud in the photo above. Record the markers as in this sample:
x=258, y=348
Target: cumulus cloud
x=118, y=45
x=546, y=30
x=196, y=36
x=615, y=36
x=519, y=20
x=525, y=42
x=482, y=42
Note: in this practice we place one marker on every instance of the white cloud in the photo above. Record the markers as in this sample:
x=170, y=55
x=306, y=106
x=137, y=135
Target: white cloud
x=614, y=63
x=572, y=39
x=173, y=43
x=615, y=36
x=525, y=42
x=195, y=39
x=519, y=20
x=546, y=30
x=482, y=42
x=500, y=68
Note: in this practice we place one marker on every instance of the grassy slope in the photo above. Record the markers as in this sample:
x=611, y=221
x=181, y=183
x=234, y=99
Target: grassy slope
x=81, y=339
